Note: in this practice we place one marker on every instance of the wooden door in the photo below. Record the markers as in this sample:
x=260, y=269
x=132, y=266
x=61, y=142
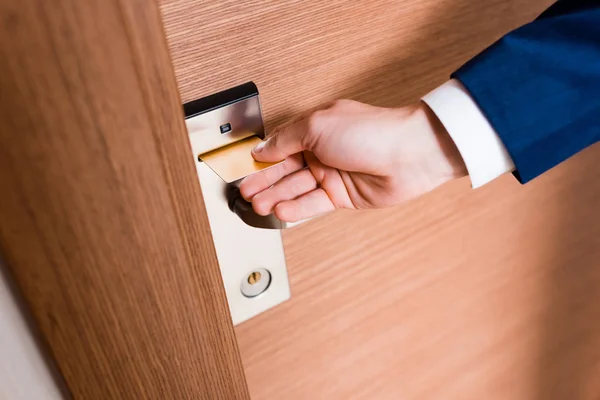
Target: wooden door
x=101, y=217
x=461, y=294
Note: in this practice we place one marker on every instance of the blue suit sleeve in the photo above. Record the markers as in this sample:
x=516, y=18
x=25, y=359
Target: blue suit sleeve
x=539, y=86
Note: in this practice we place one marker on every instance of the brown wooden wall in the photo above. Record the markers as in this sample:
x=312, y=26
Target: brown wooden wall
x=462, y=294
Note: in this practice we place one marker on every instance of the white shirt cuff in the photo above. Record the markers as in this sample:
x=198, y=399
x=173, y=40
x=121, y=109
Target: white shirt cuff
x=483, y=152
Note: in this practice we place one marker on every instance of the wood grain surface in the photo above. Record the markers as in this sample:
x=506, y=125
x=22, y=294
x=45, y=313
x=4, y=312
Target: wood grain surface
x=101, y=217
x=461, y=294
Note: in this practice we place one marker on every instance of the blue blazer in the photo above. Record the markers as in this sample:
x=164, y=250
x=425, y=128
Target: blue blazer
x=539, y=86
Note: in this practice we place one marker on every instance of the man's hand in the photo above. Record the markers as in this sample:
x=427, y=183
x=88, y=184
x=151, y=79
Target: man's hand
x=351, y=155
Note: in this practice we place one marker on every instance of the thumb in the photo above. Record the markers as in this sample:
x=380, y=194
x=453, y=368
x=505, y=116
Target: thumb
x=283, y=143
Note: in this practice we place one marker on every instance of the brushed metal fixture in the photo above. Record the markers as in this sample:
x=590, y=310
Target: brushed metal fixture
x=249, y=247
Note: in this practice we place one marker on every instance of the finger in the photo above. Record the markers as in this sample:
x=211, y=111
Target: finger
x=257, y=182
x=285, y=141
x=288, y=188
x=309, y=205
x=291, y=139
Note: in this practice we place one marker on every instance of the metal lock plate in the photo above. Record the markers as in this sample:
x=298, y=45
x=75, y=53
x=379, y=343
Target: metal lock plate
x=251, y=259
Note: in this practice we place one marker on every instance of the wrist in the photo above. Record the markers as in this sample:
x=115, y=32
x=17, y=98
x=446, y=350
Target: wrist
x=451, y=163
x=427, y=145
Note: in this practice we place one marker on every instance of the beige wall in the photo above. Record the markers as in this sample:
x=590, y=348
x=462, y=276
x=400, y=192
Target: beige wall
x=24, y=374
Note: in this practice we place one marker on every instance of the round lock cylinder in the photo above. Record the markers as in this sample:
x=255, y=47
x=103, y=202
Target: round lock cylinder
x=256, y=282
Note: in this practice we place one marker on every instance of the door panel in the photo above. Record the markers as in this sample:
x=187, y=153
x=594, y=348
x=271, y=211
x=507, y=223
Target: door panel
x=101, y=216
x=460, y=294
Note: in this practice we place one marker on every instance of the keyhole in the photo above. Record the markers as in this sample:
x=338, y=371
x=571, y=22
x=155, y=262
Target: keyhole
x=254, y=277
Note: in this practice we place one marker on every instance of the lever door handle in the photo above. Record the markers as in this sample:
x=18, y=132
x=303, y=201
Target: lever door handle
x=243, y=209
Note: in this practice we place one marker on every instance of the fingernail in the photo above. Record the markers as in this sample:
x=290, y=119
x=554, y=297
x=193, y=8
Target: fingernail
x=259, y=147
